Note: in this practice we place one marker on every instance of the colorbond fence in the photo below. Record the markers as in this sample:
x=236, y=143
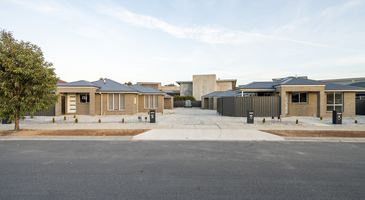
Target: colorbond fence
x=48, y=112
x=182, y=104
x=265, y=106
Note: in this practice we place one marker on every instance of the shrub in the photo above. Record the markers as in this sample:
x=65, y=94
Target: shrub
x=64, y=118
x=99, y=120
x=76, y=120
x=263, y=120
x=53, y=120
x=184, y=98
x=297, y=121
x=355, y=121
x=321, y=118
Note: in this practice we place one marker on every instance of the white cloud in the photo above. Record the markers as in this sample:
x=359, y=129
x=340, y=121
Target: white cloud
x=334, y=11
x=41, y=6
x=200, y=33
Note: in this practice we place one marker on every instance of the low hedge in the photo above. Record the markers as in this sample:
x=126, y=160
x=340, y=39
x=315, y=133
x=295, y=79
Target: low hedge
x=184, y=98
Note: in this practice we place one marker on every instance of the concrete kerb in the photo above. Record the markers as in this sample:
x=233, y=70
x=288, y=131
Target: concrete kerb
x=66, y=138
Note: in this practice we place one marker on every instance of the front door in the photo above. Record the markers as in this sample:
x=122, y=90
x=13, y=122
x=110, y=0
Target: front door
x=71, y=103
x=63, y=105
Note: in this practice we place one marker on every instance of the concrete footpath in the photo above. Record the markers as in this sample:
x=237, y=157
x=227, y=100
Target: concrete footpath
x=207, y=134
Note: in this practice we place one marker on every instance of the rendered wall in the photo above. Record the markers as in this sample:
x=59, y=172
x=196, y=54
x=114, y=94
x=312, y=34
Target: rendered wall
x=203, y=84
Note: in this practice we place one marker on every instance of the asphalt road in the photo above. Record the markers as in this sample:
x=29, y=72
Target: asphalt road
x=181, y=170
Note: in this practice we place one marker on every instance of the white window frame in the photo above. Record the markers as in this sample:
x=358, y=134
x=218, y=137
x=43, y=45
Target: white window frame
x=333, y=105
x=151, y=101
x=121, y=107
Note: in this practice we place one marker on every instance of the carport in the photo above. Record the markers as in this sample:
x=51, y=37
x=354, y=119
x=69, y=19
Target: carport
x=209, y=101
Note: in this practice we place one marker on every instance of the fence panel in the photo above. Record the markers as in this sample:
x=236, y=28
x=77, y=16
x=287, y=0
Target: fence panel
x=48, y=112
x=265, y=106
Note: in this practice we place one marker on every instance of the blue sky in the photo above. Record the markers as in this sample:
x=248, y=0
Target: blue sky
x=169, y=40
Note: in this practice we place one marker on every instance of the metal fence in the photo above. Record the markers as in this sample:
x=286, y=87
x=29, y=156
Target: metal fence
x=265, y=106
x=182, y=104
x=48, y=112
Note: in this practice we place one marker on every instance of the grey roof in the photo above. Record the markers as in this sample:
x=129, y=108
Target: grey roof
x=335, y=86
x=283, y=81
x=108, y=85
x=179, y=82
x=228, y=93
x=358, y=84
x=259, y=85
x=144, y=89
x=299, y=81
x=172, y=91
x=81, y=83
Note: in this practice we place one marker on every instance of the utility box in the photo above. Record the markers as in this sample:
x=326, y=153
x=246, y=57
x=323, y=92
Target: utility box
x=336, y=117
x=188, y=104
x=250, y=117
x=152, y=116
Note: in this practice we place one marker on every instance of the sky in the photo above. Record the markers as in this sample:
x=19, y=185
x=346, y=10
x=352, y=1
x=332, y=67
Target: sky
x=170, y=40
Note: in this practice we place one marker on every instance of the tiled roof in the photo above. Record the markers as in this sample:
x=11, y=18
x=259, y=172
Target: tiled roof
x=81, y=83
x=259, y=85
x=228, y=93
x=108, y=85
x=358, y=84
x=144, y=89
x=334, y=86
x=299, y=81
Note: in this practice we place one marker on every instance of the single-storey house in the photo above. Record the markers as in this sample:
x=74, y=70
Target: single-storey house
x=106, y=97
x=300, y=96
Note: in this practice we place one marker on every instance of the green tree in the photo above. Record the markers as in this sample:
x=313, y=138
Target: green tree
x=27, y=81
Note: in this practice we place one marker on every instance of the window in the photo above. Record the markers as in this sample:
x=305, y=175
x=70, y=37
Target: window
x=335, y=101
x=116, y=102
x=151, y=102
x=299, y=97
x=84, y=98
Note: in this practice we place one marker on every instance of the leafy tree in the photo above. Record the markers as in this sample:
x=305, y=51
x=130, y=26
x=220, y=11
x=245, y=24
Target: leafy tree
x=27, y=81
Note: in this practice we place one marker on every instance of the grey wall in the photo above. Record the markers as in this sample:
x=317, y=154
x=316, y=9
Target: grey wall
x=203, y=84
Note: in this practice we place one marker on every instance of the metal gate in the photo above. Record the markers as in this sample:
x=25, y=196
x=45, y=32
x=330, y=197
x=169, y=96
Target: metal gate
x=263, y=106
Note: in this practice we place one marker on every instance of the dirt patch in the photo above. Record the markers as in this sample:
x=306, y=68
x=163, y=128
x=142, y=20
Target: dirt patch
x=75, y=132
x=317, y=133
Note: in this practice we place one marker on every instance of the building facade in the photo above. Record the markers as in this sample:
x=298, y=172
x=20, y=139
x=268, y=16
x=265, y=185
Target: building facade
x=106, y=97
x=204, y=84
x=300, y=96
